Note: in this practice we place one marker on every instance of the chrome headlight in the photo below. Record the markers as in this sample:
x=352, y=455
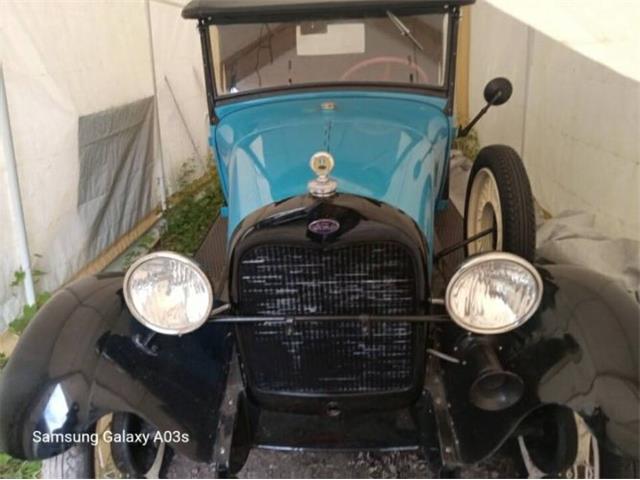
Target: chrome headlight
x=168, y=293
x=493, y=293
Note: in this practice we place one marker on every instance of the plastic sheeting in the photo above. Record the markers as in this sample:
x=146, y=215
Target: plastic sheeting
x=81, y=79
x=571, y=237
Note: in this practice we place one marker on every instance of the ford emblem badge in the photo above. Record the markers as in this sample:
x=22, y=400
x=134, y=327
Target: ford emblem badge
x=324, y=226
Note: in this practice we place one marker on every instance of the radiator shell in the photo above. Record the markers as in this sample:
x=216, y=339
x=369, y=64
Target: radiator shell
x=370, y=267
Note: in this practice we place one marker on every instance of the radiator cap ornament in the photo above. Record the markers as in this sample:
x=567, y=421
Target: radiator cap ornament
x=322, y=164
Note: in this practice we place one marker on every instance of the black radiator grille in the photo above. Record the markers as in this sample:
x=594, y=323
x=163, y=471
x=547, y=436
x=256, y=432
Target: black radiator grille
x=329, y=356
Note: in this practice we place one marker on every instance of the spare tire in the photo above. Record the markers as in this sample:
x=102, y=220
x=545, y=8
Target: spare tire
x=499, y=198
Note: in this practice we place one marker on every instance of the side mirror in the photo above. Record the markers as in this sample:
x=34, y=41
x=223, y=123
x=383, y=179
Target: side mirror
x=497, y=92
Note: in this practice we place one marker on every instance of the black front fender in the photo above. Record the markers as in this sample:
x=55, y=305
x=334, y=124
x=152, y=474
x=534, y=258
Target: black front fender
x=579, y=350
x=84, y=355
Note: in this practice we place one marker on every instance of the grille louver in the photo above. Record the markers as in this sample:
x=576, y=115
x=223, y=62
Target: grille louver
x=329, y=357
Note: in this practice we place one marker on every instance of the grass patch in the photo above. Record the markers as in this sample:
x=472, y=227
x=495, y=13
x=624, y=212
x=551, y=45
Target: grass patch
x=13, y=468
x=18, y=325
x=191, y=213
x=469, y=145
x=28, y=312
x=143, y=245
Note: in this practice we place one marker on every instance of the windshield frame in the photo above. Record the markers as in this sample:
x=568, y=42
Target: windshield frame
x=445, y=91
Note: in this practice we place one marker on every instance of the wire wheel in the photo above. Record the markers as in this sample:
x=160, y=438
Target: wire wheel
x=109, y=460
x=566, y=448
x=136, y=460
x=103, y=464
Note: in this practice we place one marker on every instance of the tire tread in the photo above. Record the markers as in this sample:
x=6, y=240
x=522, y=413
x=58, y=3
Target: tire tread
x=516, y=199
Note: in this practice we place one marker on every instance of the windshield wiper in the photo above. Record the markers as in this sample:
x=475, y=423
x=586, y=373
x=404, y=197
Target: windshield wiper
x=404, y=30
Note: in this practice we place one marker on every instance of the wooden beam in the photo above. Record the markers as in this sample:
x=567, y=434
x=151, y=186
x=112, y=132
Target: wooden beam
x=462, y=67
x=118, y=247
x=218, y=73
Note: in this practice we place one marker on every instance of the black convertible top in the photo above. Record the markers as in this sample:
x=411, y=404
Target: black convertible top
x=259, y=11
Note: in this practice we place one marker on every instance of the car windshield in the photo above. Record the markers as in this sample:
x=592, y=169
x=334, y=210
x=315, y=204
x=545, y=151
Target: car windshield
x=407, y=50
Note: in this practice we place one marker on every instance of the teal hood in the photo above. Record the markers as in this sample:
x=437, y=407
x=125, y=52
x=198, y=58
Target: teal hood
x=390, y=147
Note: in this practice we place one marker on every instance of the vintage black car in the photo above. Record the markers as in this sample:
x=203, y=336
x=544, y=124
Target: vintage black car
x=339, y=302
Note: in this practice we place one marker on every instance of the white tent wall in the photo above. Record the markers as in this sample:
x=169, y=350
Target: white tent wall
x=69, y=64
x=179, y=74
x=575, y=112
x=12, y=298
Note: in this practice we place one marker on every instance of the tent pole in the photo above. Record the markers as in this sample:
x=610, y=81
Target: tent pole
x=163, y=186
x=184, y=122
x=14, y=194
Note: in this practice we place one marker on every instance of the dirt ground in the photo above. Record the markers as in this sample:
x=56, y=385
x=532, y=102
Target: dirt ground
x=279, y=464
x=270, y=464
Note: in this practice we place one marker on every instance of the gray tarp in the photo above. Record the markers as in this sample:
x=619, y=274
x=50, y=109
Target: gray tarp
x=571, y=238
x=116, y=163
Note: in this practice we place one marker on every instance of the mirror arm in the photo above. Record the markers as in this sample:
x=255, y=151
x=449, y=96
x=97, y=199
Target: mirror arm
x=465, y=131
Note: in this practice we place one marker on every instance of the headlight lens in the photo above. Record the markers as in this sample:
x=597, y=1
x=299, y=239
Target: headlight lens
x=168, y=293
x=493, y=293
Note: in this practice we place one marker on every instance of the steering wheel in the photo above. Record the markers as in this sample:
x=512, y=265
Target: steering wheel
x=389, y=61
